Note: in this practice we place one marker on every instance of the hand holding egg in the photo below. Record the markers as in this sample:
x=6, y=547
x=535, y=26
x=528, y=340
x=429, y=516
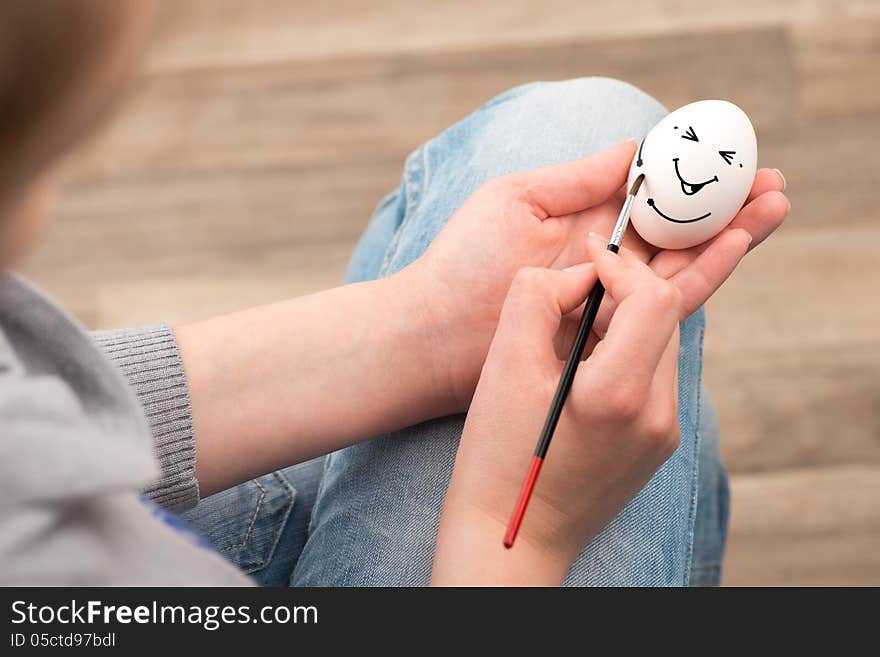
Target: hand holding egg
x=699, y=164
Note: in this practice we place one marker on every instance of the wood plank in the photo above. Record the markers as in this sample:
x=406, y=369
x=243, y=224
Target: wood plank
x=830, y=164
x=230, y=33
x=837, y=65
x=792, y=353
x=798, y=407
x=805, y=527
x=283, y=232
x=233, y=214
x=379, y=108
x=800, y=290
x=196, y=286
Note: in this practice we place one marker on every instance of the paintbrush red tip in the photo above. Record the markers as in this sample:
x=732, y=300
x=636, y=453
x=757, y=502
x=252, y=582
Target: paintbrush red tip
x=522, y=503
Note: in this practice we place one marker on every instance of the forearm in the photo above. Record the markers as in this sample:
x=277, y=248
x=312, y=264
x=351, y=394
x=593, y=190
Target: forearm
x=283, y=383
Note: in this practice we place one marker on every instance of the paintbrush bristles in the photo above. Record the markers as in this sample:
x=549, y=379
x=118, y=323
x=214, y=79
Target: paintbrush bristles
x=636, y=184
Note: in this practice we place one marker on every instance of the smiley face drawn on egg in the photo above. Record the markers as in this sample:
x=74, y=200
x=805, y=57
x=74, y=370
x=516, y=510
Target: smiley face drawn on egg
x=699, y=164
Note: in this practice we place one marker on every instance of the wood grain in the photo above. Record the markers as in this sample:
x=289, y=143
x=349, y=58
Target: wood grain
x=837, y=61
x=378, y=108
x=792, y=352
x=229, y=33
x=805, y=527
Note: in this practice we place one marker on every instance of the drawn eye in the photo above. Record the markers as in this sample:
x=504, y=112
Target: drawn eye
x=690, y=134
x=727, y=155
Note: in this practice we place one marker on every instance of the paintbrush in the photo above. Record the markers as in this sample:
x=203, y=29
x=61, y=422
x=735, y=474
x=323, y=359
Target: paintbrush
x=591, y=308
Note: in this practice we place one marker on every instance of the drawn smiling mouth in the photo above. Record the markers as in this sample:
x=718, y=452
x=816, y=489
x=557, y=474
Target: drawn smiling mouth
x=677, y=221
x=690, y=188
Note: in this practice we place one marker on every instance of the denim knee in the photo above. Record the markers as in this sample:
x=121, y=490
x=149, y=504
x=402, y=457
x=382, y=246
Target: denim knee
x=530, y=126
x=545, y=123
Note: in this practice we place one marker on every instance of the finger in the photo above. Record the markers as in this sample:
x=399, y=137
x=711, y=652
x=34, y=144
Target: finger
x=646, y=316
x=698, y=280
x=632, y=255
x=574, y=186
x=598, y=241
x=766, y=180
x=601, y=220
x=660, y=412
x=667, y=264
x=759, y=218
x=762, y=216
x=627, y=275
x=664, y=387
x=539, y=298
x=568, y=329
x=596, y=244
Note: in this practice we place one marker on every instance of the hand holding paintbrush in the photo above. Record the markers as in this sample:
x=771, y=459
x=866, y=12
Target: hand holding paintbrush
x=591, y=309
x=618, y=424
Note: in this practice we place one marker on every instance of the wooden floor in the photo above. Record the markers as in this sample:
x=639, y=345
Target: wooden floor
x=262, y=134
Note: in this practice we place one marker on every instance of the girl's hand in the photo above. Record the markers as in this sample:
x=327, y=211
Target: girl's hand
x=620, y=422
x=537, y=218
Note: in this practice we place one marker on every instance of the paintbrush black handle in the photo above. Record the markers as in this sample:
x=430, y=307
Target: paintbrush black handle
x=591, y=309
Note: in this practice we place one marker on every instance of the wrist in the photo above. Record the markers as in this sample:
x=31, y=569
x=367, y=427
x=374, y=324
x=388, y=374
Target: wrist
x=421, y=335
x=437, y=324
x=470, y=552
x=456, y=330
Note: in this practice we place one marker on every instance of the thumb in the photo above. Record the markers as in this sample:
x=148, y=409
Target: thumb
x=537, y=300
x=580, y=184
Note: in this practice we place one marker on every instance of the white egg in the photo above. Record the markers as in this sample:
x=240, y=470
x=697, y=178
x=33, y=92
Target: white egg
x=699, y=164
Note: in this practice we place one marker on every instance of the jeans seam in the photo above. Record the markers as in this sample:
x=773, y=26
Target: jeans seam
x=290, y=491
x=258, y=563
x=318, y=493
x=253, y=520
x=695, y=473
x=708, y=576
x=413, y=180
x=345, y=550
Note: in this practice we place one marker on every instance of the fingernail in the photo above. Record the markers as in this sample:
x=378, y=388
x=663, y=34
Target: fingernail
x=597, y=236
x=631, y=140
x=578, y=268
x=789, y=207
x=781, y=177
x=749, y=235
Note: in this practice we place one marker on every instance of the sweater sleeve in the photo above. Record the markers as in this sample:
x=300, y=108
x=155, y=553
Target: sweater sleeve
x=149, y=358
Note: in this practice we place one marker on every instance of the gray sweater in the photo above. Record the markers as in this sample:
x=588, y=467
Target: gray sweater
x=96, y=448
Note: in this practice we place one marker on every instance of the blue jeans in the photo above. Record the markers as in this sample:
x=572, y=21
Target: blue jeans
x=368, y=514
